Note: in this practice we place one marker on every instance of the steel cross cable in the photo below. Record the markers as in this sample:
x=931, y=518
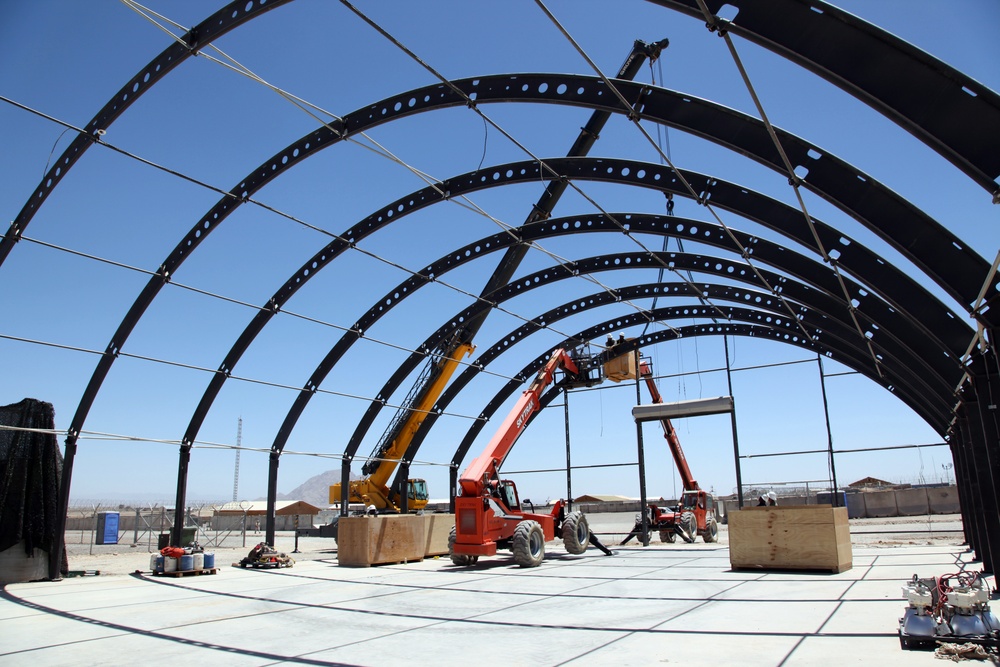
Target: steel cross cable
x=714, y=23
x=509, y=229
x=239, y=378
x=291, y=313
x=100, y=141
x=197, y=444
x=382, y=151
x=471, y=104
x=635, y=117
x=238, y=302
x=307, y=107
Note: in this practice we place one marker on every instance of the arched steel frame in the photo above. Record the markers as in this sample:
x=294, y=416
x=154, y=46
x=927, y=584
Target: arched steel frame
x=783, y=331
x=817, y=310
x=793, y=264
x=959, y=103
x=953, y=266
x=885, y=319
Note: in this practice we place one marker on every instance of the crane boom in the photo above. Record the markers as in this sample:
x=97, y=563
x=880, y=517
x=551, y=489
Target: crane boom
x=488, y=512
x=487, y=465
x=398, y=436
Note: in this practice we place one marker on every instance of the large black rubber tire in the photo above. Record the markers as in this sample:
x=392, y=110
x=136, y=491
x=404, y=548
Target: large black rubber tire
x=711, y=533
x=528, y=544
x=459, y=559
x=576, y=533
x=668, y=535
x=690, y=525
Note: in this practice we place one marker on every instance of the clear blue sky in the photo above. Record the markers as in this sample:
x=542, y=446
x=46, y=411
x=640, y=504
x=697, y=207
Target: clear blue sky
x=66, y=59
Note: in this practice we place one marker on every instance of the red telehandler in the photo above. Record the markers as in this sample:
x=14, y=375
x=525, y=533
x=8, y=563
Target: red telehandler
x=488, y=512
x=696, y=513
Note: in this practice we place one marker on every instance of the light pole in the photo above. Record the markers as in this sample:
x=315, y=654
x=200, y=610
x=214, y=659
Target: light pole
x=947, y=475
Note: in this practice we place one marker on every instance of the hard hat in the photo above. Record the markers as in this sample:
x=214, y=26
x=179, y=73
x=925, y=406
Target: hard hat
x=772, y=495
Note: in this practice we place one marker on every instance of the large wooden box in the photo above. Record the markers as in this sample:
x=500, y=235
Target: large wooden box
x=437, y=528
x=796, y=537
x=621, y=368
x=377, y=540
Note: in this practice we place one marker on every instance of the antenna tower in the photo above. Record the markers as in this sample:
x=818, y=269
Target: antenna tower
x=239, y=446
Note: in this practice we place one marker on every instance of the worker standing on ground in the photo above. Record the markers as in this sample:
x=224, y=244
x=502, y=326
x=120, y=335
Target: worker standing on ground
x=770, y=498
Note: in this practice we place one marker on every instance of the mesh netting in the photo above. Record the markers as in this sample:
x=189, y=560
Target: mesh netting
x=30, y=470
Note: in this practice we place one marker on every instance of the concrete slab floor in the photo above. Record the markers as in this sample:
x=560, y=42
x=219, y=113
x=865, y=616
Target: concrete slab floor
x=662, y=604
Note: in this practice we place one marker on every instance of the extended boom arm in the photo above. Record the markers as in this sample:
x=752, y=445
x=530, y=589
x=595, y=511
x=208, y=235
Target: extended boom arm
x=485, y=467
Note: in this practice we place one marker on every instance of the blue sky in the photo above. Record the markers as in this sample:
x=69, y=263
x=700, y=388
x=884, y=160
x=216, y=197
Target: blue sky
x=66, y=59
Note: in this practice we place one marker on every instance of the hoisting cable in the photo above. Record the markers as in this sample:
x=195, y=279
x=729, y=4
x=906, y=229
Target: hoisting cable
x=670, y=211
x=669, y=195
x=714, y=23
x=636, y=117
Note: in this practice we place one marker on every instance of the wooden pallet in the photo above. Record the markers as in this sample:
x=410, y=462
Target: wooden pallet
x=187, y=573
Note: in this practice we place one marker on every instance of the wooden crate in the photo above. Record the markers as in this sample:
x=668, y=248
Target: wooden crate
x=795, y=537
x=621, y=368
x=437, y=528
x=376, y=540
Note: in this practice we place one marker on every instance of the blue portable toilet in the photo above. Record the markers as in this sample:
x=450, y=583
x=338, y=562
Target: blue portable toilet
x=107, y=528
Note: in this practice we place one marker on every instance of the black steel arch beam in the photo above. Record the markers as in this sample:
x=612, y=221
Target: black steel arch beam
x=949, y=262
x=883, y=319
x=789, y=336
x=765, y=306
x=931, y=100
x=228, y=18
x=381, y=113
x=932, y=405
x=619, y=171
x=956, y=268
x=787, y=260
x=933, y=318
x=939, y=401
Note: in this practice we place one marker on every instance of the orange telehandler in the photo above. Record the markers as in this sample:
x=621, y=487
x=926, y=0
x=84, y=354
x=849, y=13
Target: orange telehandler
x=488, y=512
x=695, y=515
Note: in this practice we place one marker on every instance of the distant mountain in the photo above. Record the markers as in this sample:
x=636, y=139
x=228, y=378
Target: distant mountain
x=316, y=489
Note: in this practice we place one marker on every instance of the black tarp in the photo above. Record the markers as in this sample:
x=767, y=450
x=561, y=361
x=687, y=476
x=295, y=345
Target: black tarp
x=30, y=471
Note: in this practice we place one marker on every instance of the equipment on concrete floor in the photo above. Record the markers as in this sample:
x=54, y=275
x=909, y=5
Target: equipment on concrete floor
x=695, y=515
x=264, y=555
x=488, y=513
x=941, y=611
